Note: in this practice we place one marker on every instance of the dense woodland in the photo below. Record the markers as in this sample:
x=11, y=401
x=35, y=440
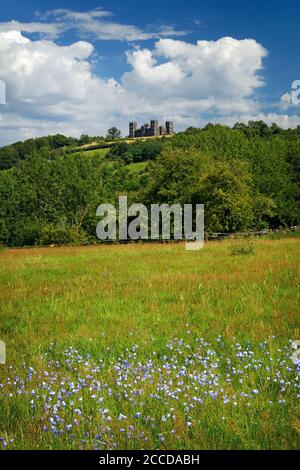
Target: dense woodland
x=247, y=177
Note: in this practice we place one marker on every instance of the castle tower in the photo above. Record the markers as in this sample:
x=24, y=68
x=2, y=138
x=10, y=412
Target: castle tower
x=132, y=128
x=169, y=127
x=154, y=128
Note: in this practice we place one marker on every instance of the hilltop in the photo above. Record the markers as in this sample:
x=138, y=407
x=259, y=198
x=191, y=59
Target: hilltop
x=59, y=144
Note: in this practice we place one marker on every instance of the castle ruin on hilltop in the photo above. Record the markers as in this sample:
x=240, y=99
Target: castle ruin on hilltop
x=150, y=130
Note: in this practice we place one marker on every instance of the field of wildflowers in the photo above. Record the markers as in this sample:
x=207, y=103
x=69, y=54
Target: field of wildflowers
x=141, y=357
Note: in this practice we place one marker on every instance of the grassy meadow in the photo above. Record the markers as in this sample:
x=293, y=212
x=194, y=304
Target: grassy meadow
x=150, y=346
x=96, y=152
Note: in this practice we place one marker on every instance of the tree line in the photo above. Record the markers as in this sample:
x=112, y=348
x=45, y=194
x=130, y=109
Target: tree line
x=246, y=176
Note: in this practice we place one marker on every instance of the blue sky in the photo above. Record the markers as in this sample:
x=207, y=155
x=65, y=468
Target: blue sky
x=77, y=67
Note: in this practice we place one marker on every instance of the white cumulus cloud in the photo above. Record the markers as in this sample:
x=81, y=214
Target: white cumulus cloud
x=226, y=68
x=52, y=88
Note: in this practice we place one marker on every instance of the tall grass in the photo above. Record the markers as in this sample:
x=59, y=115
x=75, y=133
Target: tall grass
x=103, y=301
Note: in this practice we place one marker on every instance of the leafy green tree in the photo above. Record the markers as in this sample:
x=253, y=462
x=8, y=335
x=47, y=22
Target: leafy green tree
x=113, y=133
x=273, y=177
x=226, y=194
x=174, y=175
